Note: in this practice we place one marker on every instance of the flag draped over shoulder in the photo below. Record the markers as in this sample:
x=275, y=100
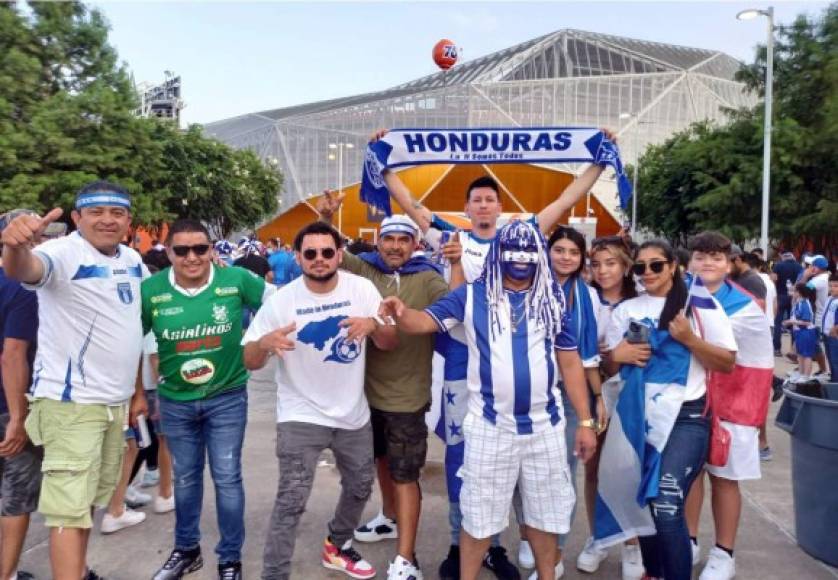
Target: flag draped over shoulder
x=742, y=397
x=402, y=147
x=643, y=403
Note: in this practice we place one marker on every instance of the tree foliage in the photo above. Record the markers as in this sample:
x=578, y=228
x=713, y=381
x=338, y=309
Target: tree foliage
x=66, y=118
x=710, y=177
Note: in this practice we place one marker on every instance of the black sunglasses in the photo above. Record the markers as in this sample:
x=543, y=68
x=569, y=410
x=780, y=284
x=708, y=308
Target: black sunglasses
x=656, y=267
x=197, y=249
x=327, y=253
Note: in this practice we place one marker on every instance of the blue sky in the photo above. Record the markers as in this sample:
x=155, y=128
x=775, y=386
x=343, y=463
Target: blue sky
x=242, y=57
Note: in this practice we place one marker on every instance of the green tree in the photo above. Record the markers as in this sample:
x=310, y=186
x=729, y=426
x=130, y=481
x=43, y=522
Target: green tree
x=227, y=189
x=67, y=118
x=710, y=177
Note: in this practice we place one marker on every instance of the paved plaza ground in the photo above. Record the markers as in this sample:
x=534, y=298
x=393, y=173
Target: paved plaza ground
x=766, y=549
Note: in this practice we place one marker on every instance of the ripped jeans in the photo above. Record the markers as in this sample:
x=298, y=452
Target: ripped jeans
x=668, y=554
x=211, y=427
x=298, y=447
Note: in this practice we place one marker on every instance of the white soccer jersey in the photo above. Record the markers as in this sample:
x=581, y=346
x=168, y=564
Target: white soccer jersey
x=89, y=335
x=512, y=377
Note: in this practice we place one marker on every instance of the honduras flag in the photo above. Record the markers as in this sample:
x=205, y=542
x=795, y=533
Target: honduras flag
x=453, y=408
x=643, y=404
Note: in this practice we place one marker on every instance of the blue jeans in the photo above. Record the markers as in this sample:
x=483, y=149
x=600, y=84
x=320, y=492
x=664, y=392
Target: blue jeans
x=195, y=429
x=831, y=346
x=668, y=554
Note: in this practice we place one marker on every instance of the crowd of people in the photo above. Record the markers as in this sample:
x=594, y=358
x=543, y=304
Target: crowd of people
x=556, y=351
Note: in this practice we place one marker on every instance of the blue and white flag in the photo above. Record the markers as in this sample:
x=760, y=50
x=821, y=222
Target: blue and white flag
x=402, y=147
x=643, y=403
x=699, y=296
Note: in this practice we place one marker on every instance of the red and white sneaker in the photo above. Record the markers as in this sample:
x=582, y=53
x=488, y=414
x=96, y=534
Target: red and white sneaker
x=345, y=559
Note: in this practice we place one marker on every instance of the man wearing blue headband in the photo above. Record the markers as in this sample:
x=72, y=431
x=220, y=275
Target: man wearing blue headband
x=89, y=346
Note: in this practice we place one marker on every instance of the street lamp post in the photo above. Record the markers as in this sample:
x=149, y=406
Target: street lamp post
x=340, y=146
x=766, y=148
x=635, y=172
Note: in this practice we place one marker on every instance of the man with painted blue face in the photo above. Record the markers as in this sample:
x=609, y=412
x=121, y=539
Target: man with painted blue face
x=516, y=330
x=89, y=345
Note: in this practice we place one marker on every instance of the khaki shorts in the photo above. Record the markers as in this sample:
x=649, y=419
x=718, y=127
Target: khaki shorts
x=83, y=447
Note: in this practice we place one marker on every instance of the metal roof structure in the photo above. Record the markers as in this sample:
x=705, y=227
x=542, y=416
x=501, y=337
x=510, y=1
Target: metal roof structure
x=566, y=78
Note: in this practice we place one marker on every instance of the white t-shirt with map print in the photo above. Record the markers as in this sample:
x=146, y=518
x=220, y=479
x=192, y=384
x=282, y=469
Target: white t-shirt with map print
x=321, y=381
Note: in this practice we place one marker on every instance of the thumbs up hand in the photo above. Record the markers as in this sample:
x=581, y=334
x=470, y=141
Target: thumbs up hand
x=26, y=229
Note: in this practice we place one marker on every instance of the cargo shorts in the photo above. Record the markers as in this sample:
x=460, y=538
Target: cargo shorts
x=401, y=439
x=20, y=477
x=83, y=448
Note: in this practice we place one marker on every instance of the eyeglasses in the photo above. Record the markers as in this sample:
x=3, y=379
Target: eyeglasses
x=327, y=253
x=197, y=249
x=656, y=267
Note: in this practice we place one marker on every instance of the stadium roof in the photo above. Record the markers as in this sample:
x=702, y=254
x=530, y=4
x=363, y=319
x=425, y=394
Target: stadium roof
x=569, y=77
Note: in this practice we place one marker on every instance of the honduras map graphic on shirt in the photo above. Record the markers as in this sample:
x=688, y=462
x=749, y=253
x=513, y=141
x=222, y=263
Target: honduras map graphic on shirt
x=324, y=335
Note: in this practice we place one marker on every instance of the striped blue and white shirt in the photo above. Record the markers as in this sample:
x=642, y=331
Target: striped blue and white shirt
x=512, y=376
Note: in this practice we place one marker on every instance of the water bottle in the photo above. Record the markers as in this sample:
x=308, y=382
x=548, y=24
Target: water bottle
x=443, y=239
x=143, y=436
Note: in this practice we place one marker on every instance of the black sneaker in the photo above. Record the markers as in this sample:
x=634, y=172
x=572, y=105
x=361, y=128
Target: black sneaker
x=450, y=567
x=91, y=575
x=180, y=562
x=24, y=575
x=496, y=561
x=230, y=571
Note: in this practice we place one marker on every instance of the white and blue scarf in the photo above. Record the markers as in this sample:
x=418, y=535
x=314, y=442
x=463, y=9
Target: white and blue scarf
x=402, y=147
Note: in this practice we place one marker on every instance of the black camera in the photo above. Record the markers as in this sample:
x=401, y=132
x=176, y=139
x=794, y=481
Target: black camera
x=637, y=332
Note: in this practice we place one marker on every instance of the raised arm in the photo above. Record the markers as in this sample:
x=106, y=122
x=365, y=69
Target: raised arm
x=550, y=215
x=412, y=207
x=19, y=237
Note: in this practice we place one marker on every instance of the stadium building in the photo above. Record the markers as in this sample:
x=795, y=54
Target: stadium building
x=646, y=91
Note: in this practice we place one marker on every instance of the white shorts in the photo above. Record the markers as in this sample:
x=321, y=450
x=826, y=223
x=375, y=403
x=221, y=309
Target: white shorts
x=496, y=460
x=743, y=460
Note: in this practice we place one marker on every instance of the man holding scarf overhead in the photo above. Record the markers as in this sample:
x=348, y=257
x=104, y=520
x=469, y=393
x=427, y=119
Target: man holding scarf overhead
x=398, y=383
x=389, y=150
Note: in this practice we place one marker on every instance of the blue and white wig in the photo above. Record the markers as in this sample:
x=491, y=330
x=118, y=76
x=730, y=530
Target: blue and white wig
x=545, y=302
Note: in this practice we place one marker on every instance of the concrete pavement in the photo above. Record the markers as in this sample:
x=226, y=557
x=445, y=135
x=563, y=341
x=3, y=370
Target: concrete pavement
x=766, y=548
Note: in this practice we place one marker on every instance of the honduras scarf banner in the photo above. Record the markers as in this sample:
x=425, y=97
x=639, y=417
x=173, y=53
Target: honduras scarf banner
x=402, y=147
x=643, y=403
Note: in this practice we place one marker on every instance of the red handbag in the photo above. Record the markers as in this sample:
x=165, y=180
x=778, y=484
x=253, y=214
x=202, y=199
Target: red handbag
x=719, y=436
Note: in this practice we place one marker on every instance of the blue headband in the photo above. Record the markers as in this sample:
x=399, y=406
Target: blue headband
x=97, y=198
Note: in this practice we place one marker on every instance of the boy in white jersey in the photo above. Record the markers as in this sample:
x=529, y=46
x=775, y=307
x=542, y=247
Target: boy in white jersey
x=515, y=327
x=88, y=287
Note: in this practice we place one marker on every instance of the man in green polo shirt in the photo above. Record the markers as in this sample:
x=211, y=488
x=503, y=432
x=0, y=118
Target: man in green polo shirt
x=398, y=384
x=195, y=311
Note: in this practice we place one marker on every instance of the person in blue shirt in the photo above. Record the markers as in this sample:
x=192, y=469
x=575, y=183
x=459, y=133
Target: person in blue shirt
x=516, y=327
x=20, y=461
x=282, y=263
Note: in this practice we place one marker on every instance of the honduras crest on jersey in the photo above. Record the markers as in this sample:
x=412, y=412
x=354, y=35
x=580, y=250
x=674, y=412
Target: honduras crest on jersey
x=123, y=290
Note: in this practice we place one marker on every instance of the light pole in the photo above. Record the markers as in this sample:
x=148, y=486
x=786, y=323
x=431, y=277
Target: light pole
x=750, y=14
x=635, y=172
x=340, y=146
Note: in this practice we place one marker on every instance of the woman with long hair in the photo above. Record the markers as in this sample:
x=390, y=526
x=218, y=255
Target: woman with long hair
x=567, y=258
x=682, y=349
x=611, y=277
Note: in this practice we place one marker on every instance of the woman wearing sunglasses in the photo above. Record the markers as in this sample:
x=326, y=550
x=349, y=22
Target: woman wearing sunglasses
x=612, y=279
x=667, y=554
x=567, y=257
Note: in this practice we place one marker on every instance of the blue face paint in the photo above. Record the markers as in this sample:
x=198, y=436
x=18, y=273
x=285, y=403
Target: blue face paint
x=518, y=271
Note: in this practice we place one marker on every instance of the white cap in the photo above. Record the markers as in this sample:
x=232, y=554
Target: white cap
x=398, y=223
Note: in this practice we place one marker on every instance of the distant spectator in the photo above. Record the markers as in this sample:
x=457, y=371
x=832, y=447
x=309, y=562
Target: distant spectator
x=284, y=266
x=252, y=260
x=784, y=273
